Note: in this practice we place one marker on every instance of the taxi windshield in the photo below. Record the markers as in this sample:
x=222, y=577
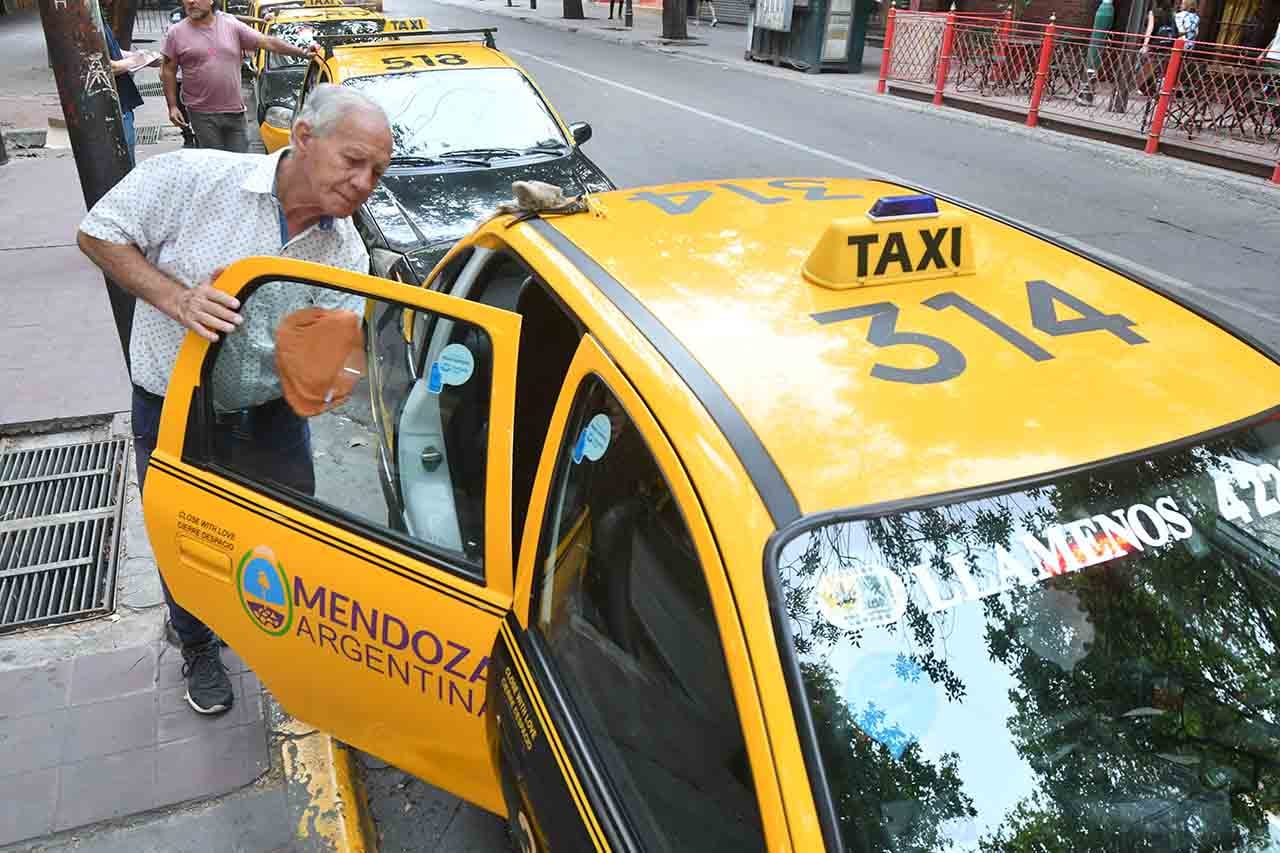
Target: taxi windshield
x=302, y=33
x=468, y=113
x=1089, y=664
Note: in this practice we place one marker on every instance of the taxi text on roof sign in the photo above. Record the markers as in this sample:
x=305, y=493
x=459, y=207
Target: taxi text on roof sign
x=867, y=250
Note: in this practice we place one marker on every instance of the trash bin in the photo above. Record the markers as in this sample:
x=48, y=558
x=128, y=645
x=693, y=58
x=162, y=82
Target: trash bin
x=811, y=35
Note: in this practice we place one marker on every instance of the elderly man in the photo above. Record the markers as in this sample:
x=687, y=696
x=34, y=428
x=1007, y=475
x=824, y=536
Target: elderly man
x=166, y=230
x=207, y=46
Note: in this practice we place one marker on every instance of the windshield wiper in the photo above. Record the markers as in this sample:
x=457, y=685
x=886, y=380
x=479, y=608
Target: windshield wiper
x=556, y=148
x=486, y=153
x=413, y=160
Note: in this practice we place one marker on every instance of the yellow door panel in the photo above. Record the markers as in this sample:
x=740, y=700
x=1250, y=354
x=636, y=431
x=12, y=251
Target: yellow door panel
x=355, y=631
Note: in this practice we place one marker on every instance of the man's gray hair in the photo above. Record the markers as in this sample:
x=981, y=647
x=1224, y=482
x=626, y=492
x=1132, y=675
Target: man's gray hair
x=327, y=104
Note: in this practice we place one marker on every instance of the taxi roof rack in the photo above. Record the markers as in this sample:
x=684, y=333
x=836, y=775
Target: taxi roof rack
x=276, y=6
x=303, y=6
x=329, y=42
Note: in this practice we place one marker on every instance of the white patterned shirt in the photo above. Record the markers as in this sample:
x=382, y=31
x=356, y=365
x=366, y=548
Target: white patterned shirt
x=193, y=211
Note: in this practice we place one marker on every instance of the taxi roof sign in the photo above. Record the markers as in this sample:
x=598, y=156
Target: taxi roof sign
x=903, y=207
x=866, y=250
x=391, y=38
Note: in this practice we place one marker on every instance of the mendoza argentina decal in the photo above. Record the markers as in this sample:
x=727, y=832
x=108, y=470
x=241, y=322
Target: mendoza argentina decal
x=264, y=591
x=409, y=655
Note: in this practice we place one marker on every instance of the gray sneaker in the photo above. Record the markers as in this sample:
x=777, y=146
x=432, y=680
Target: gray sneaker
x=171, y=635
x=208, y=687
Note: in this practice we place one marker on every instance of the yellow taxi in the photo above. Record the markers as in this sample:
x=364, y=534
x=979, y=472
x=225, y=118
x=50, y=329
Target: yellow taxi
x=466, y=123
x=277, y=79
x=791, y=514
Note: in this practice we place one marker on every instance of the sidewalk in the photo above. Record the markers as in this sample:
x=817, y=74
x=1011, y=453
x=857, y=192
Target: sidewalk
x=98, y=749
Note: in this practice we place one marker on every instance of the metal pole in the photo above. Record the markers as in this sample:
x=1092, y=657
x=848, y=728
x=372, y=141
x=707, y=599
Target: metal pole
x=1168, y=86
x=944, y=56
x=78, y=48
x=1042, y=72
x=886, y=51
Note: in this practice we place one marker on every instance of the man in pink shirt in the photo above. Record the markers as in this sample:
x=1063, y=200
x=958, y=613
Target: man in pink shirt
x=207, y=46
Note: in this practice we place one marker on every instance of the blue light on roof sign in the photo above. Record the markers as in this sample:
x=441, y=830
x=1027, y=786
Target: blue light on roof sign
x=903, y=207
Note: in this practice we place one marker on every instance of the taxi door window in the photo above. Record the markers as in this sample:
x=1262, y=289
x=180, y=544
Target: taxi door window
x=547, y=343
x=419, y=482
x=622, y=605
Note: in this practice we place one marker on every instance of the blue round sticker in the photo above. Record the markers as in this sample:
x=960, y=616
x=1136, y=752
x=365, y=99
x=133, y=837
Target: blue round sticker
x=593, y=441
x=454, y=367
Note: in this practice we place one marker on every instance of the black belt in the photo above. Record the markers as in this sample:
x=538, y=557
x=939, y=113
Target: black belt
x=243, y=422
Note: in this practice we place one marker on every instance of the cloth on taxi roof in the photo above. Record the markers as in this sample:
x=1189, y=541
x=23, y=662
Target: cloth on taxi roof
x=320, y=358
x=535, y=197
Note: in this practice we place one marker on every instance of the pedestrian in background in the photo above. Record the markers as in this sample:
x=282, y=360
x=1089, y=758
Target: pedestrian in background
x=126, y=89
x=1161, y=32
x=1162, y=27
x=188, y=138
x=166, y=230
x=207, y=46
x=1188, y=23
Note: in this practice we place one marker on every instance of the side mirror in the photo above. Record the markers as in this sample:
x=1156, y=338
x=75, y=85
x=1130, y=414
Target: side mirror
x=581, y=132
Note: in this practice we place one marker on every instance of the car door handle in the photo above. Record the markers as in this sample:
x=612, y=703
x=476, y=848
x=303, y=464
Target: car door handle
x=204, y=558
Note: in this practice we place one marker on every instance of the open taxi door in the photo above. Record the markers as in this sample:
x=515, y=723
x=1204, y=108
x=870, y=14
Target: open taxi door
x=380, y=636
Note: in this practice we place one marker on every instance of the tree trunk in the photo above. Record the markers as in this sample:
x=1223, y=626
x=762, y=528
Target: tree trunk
x=573, y=10
x=674, y=20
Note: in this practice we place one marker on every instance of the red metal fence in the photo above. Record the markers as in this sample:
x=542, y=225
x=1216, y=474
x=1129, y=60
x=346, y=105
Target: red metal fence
x=1220, y=98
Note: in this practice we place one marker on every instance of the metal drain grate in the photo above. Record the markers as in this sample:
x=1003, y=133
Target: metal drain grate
x=59, y=532
x=147, y=89
x=147, y=134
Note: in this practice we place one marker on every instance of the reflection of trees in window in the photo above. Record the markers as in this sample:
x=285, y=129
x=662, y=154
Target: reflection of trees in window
x=1165, y=736
x=1147, y=687
x=882, y=802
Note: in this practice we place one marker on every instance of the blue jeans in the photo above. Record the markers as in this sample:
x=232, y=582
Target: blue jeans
x=130, y=138
x=267, y=443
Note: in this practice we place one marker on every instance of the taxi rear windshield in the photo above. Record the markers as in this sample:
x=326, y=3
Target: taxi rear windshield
x=303, y=33
x=1086, y=665
x=437, y=115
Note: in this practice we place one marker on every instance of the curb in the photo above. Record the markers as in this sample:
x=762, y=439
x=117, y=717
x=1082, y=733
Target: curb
x=325, y=791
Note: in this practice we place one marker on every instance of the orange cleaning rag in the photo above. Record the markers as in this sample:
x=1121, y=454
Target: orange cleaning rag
x=320, y=358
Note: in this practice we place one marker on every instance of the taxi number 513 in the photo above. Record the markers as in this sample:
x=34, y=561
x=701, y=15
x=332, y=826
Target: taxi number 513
x=399, y=63
x=1042, y=298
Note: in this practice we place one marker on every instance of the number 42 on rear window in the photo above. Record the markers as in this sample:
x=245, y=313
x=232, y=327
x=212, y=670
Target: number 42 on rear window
x=1249, y=477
